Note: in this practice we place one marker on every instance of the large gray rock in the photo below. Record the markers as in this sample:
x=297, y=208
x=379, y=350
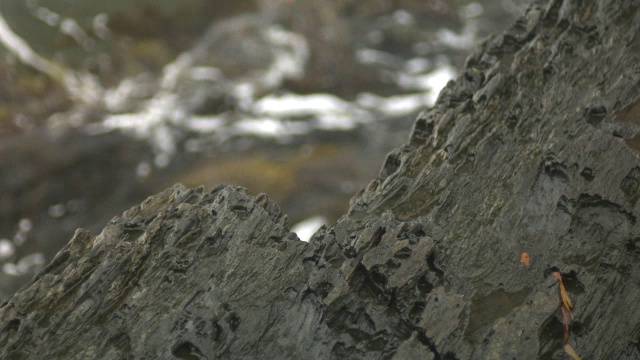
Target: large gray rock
x=533, y=149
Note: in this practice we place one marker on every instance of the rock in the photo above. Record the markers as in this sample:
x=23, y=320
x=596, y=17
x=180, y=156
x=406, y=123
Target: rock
x=531, y=150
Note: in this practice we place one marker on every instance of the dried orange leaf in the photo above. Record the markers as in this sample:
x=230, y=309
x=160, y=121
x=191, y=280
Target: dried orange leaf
x=567, y=318
x=524, y=258
x=563, y=292
x=569, y=350
x=565, y=298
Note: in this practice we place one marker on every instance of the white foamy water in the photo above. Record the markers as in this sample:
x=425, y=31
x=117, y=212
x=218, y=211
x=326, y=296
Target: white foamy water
x=160, y=110
x=306, y=228
x=7, y=249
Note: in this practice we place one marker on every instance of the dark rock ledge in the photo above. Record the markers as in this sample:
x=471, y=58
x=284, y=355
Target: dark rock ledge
x=532, y=149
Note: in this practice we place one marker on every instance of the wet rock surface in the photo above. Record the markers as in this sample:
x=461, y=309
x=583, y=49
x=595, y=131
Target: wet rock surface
x=532, y=149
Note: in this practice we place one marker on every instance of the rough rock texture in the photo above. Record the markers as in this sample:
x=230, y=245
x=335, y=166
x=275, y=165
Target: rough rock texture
x=533, y=149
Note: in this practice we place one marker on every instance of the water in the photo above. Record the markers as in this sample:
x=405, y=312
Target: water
x=113, y=101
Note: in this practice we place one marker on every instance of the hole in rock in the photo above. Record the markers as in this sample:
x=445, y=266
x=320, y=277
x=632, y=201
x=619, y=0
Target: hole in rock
x=187, y=351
